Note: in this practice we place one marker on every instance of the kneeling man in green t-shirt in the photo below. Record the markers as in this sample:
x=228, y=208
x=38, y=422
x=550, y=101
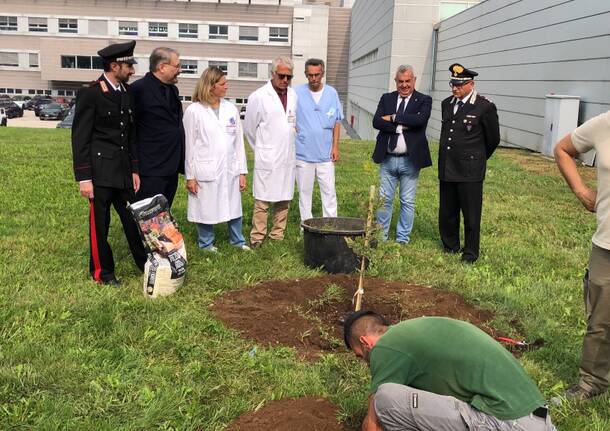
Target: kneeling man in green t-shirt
x=436, y=373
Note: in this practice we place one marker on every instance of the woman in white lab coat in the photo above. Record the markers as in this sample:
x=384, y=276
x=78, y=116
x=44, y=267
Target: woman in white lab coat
x=215, y=163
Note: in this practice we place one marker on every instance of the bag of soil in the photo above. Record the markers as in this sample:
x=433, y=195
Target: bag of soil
x=165, y=268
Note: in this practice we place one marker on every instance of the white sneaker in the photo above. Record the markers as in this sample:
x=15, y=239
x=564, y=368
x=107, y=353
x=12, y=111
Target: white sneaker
x=244, y=248
x=211, y=249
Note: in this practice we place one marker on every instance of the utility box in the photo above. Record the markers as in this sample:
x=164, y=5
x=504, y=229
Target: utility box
x=560, y=118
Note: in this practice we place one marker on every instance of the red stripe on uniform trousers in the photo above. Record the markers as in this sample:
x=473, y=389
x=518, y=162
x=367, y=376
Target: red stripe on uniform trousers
x=97, y=267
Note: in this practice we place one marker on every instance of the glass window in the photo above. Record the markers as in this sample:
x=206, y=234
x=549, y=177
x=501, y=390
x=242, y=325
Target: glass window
x=69, y=92
x=219, y=32
x=68, y=61
x=248, y=33
x=278, y=34
x=61, y=93
x=187, y=98
x=39, y=92
x=83, y=62
x=10, y=90
x=247, y=70
x=188, y=66
x=98, y=27
x=97, y=62
x=222, y=65
x=18, y=91
x=47, y=92
x=33, y=60
x=8, y=23
x=188, y=30
x=37, y=24
x=157, y=29
x=9, y=59
x=128, y=28
x=31, y=91
x=68, y=25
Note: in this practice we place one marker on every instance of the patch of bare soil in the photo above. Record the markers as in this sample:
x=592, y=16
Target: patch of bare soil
x=302, y=414
x=305, y=313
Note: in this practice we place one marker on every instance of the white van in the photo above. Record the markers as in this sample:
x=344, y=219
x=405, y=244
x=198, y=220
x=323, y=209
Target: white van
x=3, y=119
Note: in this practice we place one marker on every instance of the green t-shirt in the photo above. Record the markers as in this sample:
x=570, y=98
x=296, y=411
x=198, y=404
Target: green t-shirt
x=451, y=357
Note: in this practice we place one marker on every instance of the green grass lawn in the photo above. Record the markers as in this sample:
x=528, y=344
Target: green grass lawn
x=78, y=356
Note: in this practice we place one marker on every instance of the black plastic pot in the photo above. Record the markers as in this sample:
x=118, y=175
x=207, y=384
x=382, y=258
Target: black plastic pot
x=326, y=245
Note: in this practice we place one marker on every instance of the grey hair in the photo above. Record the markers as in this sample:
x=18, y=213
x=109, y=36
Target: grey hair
x=314, y=62
x=281, y=61
x=160, y=55
x=405, y=68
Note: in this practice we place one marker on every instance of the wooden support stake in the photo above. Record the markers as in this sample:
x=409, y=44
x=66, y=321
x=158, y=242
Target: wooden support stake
x=369, y=221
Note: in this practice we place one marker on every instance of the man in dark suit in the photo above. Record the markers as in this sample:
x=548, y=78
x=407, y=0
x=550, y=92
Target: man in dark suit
x=105, y=158
x=159, y=130
x=470, y=134
x=401, y=149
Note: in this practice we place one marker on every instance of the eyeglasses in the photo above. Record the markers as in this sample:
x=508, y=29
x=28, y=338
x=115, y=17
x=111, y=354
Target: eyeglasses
x=282, y=76
x=177, y=66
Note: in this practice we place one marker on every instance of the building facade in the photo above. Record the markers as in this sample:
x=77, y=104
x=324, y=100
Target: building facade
x=523, y=51
x=49, y=47
x=384, y=35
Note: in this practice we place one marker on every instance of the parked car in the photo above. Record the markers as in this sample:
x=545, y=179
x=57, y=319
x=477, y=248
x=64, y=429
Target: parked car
x=54, y=111
x=11, y=108
x=66, y=123
x=29, y=105
x=21, y=100
x=3, y=119
x=39, y=104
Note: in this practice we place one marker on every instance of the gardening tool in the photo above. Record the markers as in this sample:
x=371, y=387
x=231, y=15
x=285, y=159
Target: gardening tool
x=369, y=220
x=520, y=344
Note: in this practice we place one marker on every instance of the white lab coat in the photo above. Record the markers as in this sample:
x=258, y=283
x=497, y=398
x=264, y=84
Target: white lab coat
x=215, y=157
x=271, y=132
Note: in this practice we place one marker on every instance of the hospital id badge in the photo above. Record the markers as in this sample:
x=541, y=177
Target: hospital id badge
x=231, y=129
x=291, y=119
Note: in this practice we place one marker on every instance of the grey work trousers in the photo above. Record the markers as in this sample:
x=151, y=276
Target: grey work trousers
x=402, y=408
x=595, y=362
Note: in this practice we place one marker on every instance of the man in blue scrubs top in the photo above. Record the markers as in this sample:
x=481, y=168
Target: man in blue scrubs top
x=319, y=113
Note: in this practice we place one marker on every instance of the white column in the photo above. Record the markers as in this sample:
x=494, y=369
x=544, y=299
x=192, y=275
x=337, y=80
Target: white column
x=113, y=28
x=234, y=33
x=204, y=31
x=172, y=30
x=83, y=26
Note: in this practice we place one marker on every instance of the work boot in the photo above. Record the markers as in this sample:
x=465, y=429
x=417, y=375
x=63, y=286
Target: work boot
x=575, y=393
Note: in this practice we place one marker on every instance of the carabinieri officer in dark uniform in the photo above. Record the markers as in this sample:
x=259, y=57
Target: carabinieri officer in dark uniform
x=104, y=153
x=470, y=134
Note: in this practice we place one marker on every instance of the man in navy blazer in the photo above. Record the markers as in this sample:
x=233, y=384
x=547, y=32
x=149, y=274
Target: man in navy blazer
x=159, y=129
x=401, y=149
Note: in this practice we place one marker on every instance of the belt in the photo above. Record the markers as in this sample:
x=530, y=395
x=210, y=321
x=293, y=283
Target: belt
x=540, y=412
x=397, y=155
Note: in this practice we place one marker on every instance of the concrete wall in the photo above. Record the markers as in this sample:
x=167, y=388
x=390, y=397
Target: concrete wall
x=523, y=50
x=370, y=59
x=309, y=32
x=338, y=51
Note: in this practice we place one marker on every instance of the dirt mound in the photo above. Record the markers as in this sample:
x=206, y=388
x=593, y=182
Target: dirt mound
x=302, y=414
x=305, y=313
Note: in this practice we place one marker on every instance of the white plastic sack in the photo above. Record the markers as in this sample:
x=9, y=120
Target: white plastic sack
x=165, y=269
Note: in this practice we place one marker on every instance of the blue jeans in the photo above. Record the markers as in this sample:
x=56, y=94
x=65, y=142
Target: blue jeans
x=206, y=234
x=395, y=170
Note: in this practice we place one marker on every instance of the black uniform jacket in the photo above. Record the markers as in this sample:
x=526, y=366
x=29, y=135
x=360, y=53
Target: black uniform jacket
x=468, y=139
x=414, y=120
x=159, y=129
x=103, y=136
